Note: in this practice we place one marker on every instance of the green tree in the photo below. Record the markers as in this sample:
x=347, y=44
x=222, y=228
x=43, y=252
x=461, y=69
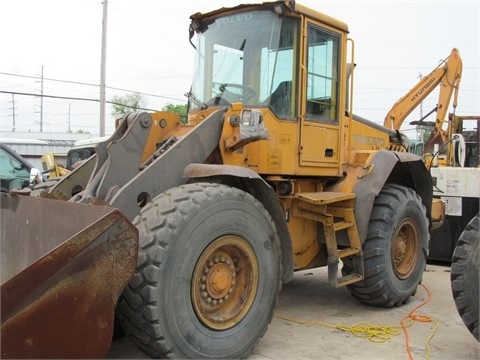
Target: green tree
x=81, y=131
x=180, y=109
x=122, y=105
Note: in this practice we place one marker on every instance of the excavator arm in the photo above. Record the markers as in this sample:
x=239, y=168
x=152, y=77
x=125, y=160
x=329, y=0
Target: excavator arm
x=447, y=74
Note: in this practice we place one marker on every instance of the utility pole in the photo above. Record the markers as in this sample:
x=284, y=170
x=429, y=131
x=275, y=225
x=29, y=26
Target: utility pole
x=68, y=119
x=420, y=76
x=41, y=101
x=13, y=112
x=420, y=128
x=103, y=68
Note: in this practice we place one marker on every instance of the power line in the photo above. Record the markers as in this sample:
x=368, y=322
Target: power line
x=142, y=93
x=90, y=84
x=50, y=79
x=70, y=98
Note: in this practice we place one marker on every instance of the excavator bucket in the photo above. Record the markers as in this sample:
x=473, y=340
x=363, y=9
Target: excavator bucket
x=63, y=266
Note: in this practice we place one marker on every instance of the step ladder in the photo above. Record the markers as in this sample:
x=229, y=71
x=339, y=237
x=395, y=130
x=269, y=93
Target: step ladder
x=335, y=210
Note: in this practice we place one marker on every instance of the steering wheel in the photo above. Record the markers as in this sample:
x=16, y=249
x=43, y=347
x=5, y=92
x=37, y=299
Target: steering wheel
x=247, y=92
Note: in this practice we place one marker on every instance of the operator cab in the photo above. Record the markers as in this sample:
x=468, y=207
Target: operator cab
x=286, y=67
x=253, y=56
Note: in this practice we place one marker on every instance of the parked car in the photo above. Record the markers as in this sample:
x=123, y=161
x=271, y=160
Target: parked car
x=15, y=172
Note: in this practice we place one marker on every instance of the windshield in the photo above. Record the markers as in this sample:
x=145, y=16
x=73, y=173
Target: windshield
x=247, y=57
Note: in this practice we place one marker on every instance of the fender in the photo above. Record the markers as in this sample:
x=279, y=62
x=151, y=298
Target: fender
x=384, y=167
x=249, y=181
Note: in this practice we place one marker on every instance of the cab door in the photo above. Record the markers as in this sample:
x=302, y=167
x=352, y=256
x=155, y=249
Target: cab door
x=320, y=122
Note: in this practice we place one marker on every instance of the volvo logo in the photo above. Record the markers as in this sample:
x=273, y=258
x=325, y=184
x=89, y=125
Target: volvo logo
x=234, y=19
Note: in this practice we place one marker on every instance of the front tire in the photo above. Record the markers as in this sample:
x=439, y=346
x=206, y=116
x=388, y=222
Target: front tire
x=395, y=249
x=465, y=276
x=208, y=274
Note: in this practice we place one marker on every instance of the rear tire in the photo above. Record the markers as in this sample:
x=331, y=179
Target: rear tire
x=395, y=249
x=208, y=274
x=465, y=276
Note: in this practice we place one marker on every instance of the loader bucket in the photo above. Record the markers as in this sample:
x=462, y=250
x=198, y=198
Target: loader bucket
x=63, y=266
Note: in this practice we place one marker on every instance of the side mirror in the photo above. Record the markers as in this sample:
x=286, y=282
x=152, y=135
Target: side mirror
x=35, y=176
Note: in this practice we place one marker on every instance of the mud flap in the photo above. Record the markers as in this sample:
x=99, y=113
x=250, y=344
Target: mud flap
x=63, y=266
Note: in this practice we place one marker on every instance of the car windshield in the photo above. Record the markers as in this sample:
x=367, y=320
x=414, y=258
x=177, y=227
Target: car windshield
x=245, y=57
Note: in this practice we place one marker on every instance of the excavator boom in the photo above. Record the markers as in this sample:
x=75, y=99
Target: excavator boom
x=447, y=74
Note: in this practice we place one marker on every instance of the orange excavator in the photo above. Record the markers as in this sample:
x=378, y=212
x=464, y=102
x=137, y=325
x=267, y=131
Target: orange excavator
x=447, y=75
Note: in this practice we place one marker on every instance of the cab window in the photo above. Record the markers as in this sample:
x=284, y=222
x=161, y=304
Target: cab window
x=322, y=75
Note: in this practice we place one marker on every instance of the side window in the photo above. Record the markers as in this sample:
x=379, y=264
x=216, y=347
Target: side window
x=13, y=174
x=322, y=75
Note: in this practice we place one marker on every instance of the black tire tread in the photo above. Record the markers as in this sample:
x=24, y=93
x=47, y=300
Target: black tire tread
x=375, y=288
x=465, y=276
x=136, y=309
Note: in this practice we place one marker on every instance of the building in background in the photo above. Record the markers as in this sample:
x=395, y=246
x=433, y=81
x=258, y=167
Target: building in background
x=32, y=145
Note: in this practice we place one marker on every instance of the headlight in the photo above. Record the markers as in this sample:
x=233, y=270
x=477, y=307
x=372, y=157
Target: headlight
x=252, y=128
x=249, y=117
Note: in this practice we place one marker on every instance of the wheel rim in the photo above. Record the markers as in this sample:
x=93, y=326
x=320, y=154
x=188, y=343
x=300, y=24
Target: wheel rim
x=405, y=249
x=224, y=282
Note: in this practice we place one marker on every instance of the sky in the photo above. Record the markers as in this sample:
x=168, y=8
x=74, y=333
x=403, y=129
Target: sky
x=148, y=52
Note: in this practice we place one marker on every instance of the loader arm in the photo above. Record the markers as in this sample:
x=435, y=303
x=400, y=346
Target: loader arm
x=120, y=175
x=447, y=75
x=166, y=168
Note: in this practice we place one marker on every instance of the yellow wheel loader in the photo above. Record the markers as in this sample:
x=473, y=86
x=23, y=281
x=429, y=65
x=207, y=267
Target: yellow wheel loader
x=273, y=173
